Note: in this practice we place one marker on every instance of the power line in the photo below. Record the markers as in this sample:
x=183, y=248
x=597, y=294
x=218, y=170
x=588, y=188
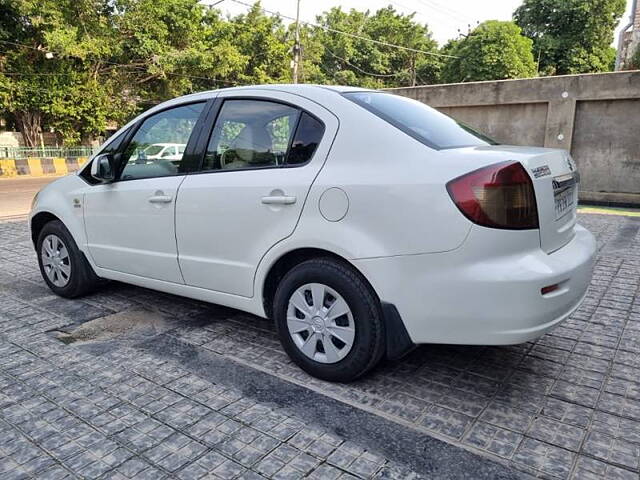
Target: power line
x=444, y=9
x=352, y=35
x=444, y=17
x=381, y=75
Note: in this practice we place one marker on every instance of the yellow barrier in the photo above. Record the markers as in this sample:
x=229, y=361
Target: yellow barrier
x=8, y=167
x=60, y=166
x=35, y=167
x=38, y=167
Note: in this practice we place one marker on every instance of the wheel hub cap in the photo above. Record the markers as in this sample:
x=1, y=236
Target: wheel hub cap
x=320, y=323
x=56, y=262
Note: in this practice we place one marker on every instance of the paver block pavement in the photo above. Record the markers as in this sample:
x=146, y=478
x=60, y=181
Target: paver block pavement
x=564, y=406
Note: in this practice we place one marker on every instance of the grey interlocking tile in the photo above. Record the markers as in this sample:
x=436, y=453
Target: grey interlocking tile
x=324, y=472
x=545, y=458
x=556, y=433
x=617, y=404
x=592, y=469
x=612, y=450
x=571, y=392
x=496, y=440
x=228, y=470
x=447, y=422
x=502, y=415
x=618, y=427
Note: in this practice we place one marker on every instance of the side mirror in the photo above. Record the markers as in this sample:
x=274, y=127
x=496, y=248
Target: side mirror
x=103, y=168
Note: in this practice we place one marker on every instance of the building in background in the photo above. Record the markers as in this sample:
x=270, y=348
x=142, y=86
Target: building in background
x=629, y=42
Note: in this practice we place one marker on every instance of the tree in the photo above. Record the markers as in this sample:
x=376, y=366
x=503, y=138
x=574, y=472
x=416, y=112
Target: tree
x=37, y=84
x=262, y=41
x=168, y=48
x=495, y=50
x=74, y=66
x=571, y=36
x=350, y=60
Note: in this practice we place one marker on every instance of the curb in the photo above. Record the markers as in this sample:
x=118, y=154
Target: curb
x=627, y=212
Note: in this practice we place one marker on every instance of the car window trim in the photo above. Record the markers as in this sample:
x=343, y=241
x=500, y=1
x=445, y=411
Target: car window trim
x=214, y=112
x=294, y=132
x=190, y=152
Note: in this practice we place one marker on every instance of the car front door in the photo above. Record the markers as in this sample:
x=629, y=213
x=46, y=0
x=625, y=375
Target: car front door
x=261, y=157
x=130, y=222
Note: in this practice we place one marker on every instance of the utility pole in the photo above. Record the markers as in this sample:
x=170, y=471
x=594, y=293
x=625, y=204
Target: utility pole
x=296, y=46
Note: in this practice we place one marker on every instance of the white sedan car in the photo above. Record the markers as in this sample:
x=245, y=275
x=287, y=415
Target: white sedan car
x=361, y=222
x=162, y=151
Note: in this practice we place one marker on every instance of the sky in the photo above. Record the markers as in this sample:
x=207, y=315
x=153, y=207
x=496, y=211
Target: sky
x=444, y=17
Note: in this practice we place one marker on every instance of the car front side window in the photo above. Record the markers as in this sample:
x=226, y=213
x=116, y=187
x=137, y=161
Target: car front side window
x=145, y=156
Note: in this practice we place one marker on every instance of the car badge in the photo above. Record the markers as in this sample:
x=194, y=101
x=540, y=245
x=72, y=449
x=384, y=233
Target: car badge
x=541, y=171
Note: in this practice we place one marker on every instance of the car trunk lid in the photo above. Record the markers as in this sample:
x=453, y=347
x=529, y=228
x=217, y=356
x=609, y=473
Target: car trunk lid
x=555, y=181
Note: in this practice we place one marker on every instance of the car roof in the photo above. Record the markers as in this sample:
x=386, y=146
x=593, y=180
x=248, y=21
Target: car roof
x=303, y=89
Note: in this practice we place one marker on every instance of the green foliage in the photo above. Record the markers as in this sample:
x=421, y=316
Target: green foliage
x=494, y=50
x=64, y=92
x=261, y=40
x=83, y=109
x=78, y=67
x=571, y=36
x=349, y=60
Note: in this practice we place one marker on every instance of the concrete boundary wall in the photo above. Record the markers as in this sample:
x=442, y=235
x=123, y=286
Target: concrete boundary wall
x=596, y=117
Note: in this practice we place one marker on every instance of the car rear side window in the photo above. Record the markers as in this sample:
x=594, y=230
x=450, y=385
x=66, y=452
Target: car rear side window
x=256, y=133
x=306, y=140
x=425, y=124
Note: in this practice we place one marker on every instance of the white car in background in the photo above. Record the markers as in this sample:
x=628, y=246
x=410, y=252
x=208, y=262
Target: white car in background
x=167, y=151
x=361, y=222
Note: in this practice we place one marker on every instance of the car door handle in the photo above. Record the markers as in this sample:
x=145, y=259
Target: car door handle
x=161, y=199
x=279, y=200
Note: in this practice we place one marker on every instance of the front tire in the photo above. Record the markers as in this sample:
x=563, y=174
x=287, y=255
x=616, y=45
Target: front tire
x=63, y=266
x=329, y=320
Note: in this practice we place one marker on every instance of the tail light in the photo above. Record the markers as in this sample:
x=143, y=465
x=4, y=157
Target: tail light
x=497, y=196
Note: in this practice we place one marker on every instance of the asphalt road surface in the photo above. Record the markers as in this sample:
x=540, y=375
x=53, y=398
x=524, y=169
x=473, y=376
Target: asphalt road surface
x=16, y=194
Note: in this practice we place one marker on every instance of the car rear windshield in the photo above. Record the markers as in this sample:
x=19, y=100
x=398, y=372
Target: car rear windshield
x=425, y=124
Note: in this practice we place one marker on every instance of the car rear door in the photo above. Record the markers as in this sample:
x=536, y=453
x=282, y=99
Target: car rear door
x=262, y=155
x=130, y=222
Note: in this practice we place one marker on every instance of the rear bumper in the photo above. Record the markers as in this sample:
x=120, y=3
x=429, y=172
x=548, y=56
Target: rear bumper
x=486, y=292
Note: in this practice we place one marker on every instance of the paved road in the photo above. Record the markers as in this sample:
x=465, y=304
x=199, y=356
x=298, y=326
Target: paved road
x=130, y=383
x=16, y=194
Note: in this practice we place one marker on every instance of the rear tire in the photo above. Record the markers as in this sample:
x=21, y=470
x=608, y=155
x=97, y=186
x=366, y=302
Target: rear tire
x=63, y=266
x=329, y=320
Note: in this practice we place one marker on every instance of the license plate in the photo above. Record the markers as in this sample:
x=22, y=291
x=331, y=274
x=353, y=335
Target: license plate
x=564, y=200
